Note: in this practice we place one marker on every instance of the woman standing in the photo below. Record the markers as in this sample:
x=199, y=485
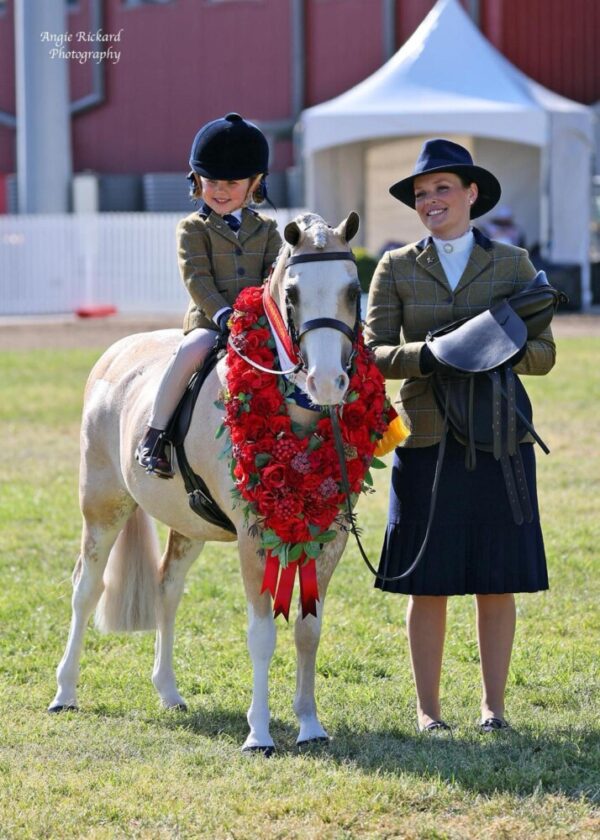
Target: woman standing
x=474, y=546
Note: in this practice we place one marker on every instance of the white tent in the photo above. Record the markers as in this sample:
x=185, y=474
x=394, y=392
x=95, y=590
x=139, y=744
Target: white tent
x=448, y=80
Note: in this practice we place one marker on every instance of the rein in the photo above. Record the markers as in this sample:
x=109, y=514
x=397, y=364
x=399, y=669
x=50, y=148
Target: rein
x=339, y=448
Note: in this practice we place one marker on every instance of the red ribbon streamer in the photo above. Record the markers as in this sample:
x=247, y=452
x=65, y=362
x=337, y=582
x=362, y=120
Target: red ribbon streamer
x=280, y=583
x=278, y=324
x=270, y=576
x=309, y=589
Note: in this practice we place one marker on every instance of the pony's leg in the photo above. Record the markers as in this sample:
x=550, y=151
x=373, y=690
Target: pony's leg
x=96, y=542
x=261, y=645
x=307, y=634
x=179, y=555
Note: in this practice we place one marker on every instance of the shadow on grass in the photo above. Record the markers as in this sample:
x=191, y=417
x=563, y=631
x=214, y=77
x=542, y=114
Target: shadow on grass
x=520, y=763
x=516, y=762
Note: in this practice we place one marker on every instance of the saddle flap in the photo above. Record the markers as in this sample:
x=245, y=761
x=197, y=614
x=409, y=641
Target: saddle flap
x=481, y=343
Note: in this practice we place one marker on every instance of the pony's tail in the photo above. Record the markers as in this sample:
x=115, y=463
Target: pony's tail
x=131, y=578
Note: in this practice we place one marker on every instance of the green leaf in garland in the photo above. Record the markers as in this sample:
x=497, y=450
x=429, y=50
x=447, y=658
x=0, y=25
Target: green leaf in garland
x=220, y=431
x=295, y=552
x=262, y=459
x=327, y=536
x=351, y=397
x=377, y=464
x=219, y=404
x=368, y=479
x=284, y=555
x=312, y=549
x=314, y=530
x=269, y=538
x=314, y=443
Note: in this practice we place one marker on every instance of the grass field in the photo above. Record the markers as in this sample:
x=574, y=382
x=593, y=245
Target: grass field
x=121, y=767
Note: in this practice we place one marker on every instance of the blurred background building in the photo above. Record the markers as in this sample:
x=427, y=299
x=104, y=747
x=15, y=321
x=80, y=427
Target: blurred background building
x=113, y=133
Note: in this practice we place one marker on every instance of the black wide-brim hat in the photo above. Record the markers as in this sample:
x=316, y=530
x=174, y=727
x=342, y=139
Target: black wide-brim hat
x=229, y=148
x=440, y=155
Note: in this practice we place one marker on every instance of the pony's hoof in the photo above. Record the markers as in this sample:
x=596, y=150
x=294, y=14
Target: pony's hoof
x=177, y=707
x=311, y=742
x=266, y=751
x=68, y=707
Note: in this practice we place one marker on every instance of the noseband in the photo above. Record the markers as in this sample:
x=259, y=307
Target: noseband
x=297, y=335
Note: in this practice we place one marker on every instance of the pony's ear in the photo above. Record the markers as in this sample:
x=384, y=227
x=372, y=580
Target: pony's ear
x=291, y=233
x=348, y=228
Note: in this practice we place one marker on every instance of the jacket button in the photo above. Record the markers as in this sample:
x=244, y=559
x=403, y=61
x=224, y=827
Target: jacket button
x=241, y=271
x=239, y=252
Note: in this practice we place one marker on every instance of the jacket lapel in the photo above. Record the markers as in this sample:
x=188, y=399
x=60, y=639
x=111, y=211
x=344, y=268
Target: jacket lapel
x=429, y=261
x=250, y=223
x=216, y=223
x=479, y=260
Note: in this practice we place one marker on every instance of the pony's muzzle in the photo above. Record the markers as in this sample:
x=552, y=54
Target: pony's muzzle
x=327, y=390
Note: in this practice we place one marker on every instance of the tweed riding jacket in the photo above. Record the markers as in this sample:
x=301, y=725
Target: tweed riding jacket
x=216, y=265
x=410, y=295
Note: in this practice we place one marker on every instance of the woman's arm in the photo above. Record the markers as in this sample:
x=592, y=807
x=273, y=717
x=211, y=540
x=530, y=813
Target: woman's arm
x=540, y=355
x=384, y=324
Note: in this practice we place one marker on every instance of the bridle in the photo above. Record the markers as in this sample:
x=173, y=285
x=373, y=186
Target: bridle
x=295, y=334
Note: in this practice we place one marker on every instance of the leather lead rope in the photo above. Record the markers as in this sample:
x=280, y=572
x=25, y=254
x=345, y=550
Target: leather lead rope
x=351, y=516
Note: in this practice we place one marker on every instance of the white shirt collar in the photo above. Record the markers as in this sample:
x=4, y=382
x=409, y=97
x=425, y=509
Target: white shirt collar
x=448, y=247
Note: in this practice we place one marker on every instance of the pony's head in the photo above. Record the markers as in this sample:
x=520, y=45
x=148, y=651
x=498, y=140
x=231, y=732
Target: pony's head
x=316, y=287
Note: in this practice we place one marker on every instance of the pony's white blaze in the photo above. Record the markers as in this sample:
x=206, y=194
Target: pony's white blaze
x=325, y=350
x=119, y=566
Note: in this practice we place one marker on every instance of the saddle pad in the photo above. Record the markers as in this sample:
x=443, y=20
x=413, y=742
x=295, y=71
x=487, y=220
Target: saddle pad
x=481, y=343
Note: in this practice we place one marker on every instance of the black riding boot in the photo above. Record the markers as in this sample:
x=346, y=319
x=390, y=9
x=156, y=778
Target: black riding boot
x=151, y=455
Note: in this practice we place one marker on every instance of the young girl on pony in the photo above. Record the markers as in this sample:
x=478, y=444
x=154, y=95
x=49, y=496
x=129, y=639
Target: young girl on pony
x=222, y=248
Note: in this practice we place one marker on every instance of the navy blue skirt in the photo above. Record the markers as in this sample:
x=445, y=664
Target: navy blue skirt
x=474, y=547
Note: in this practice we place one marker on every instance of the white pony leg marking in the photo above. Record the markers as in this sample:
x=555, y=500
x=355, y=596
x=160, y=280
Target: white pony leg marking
x=179, y=556
x=307, y=634
x=261, y=644
x=87, y=588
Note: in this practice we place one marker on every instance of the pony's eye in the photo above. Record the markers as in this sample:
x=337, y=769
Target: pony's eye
x=291, y=294
x=352, y=294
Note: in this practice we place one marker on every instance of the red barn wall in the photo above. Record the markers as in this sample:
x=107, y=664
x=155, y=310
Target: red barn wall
x=187, y=61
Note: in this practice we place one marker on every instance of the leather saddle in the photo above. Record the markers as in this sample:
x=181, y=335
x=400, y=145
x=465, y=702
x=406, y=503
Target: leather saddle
x=483, y=402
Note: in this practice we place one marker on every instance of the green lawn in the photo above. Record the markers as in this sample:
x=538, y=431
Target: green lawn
x=121, y=767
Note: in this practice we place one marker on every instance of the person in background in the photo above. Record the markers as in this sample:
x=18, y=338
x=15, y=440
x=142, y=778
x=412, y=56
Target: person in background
x=503, y=228
x=475, y=547
x=223, y=248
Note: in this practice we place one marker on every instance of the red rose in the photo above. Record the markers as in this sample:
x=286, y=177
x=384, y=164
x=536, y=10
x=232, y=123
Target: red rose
x=273, y=476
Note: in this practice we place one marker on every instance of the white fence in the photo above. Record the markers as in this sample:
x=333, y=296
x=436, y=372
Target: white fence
x=53, y=264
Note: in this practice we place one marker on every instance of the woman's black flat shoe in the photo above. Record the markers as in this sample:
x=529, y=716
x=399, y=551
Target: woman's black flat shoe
x=436, y=726
x=493, y=724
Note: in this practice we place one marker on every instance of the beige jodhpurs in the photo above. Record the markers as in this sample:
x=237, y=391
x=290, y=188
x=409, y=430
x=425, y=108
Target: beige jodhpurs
x=188, y=357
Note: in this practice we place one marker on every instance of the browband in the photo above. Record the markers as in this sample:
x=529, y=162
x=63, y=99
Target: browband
x=332, y=255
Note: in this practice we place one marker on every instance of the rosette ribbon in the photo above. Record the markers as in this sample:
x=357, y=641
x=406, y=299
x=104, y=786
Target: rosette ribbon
x=280, y=583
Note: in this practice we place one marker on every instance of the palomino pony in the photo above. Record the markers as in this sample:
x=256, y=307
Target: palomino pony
x=119, y=571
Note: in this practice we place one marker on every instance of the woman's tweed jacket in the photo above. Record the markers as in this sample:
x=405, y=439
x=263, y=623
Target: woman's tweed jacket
x=410, y=295
x=216, y=265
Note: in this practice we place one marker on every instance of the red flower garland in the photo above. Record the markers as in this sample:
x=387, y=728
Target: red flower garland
x=290, y=478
